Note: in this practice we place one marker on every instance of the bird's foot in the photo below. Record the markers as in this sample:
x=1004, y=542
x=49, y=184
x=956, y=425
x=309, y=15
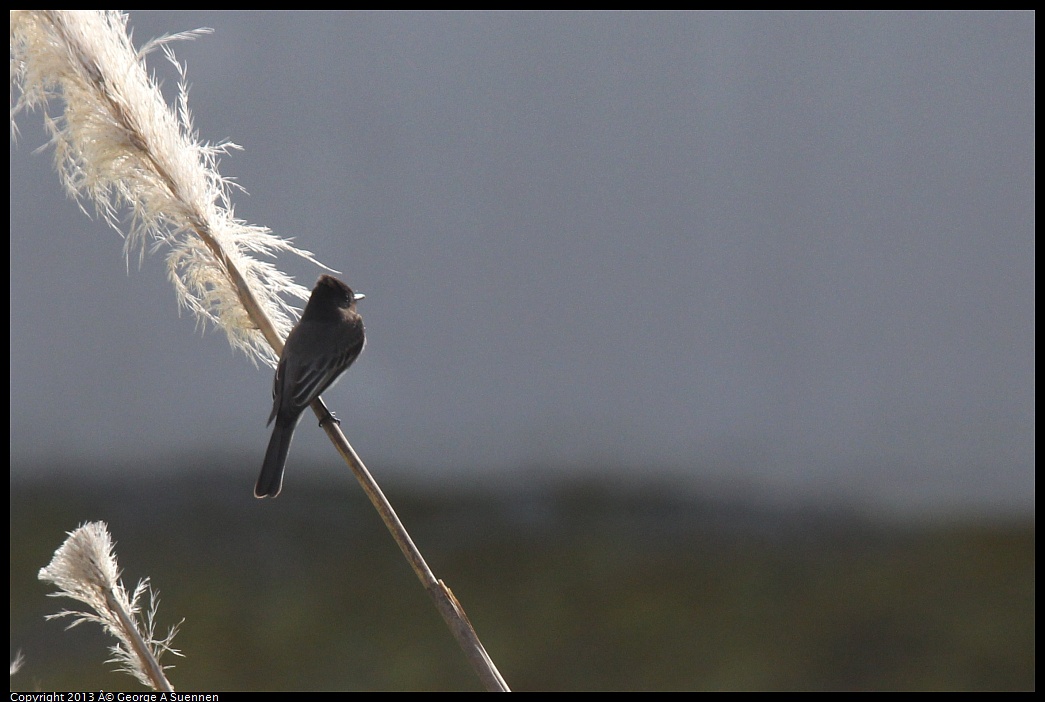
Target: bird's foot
x=331, y=418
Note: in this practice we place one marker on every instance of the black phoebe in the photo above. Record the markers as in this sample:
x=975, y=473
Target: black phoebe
x=327, y=339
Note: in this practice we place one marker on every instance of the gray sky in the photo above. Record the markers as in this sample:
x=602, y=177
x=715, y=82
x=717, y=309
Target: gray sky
x=787, y=255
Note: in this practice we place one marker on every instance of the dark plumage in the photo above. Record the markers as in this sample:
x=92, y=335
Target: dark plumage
x=324, y=343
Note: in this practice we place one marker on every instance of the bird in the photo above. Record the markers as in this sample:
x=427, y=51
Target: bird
x=326, y=340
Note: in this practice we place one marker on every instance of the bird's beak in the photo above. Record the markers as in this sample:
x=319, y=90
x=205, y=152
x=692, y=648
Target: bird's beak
x=358, y=296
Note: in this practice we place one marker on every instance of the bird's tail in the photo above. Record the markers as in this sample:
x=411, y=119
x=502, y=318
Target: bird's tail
x=270, y=482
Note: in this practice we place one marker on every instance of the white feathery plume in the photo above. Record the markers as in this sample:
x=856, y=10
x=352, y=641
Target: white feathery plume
x=17, y=663
x=119, y=146
x=84, y=568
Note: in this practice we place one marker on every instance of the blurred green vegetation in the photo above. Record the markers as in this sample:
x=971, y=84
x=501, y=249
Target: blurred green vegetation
x=578, y=588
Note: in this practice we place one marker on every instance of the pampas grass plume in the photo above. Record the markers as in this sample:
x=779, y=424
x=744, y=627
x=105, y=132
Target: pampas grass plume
x=119, y=147
x=84, y=568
